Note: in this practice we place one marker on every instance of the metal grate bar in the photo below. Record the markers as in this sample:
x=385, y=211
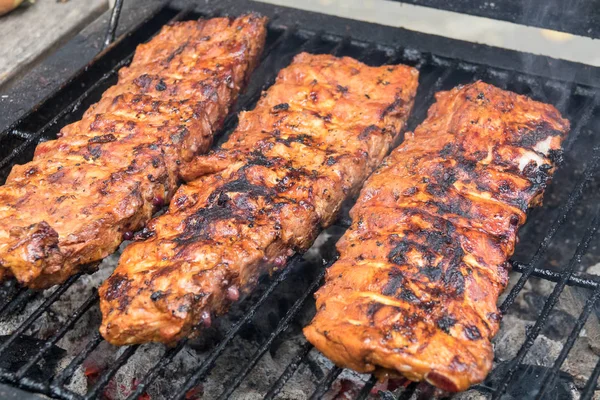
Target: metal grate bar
x=205, y=367
x=107, y=375
x=153, y=373
x=326, y=383
x=536, y=89
x=574, y=197
x=9, y=290
x=65, y=376
x=549, y=305
x=565, y=95
x=408, y=391
x=495, y=76
x=555, y=276
x=422, y=103
x=533, y=85
x=366, y=389
x=24, y=295
x=438, y=84
x=339, y=47
x=587, y=310
x=289, y=371
x=590, y=386
x=58, y=335
x=114, y=21
x=582, y=121
x=39, y=311
x=235, y=382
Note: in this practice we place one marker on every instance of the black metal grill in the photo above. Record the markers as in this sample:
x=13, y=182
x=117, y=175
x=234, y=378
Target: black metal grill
x=555, y=244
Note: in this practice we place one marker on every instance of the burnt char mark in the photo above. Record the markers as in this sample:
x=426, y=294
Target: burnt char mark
x=504, y=187
x=447, y=150
x=395, y=279
x=432, y=273
x=466, y=166
x=457, y=205
x=222, y=207
x=103, y=139
x=396, y=287
x=342, y=89
x=143, y=81
x=372, y=309
x=241, y=185
x=398, y=103
x=258, y=158
x=55, y=177
x=396, y=255
x=454, y=280
x=436, y=190
x=195, y=224
x=368, y=131
x=302, y=138
x=446, y=323
x=281, y=107
x=174, y=54
x=155, y=296
x=445, y=177
x=181, y=134
x=472, y=333
x=408, y=295
x=165, y=271
x=117, y=287
x=556, y=156
x=538, y=177
x=432, y=244
x=95, y=151
x=529, y=138
x=160, y=86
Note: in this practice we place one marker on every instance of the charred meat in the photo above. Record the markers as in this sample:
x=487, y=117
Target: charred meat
x=281, y=177
x=106, y=174
x=414, y=291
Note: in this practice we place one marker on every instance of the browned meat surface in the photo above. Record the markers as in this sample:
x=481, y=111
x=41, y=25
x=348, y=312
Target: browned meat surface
x=106, y=174
x=308, y=145
x=414, y=291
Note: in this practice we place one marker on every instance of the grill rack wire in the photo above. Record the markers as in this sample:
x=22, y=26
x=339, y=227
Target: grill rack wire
x=437, y=73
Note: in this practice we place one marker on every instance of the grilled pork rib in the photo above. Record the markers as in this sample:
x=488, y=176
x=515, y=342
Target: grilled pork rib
x=414, y=291
x=308, y=145
x=106, y=174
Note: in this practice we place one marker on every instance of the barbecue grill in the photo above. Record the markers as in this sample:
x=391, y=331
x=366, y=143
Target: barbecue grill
x=49, y=341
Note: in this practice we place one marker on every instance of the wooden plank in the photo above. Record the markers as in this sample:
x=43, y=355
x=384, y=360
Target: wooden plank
x=30, y=32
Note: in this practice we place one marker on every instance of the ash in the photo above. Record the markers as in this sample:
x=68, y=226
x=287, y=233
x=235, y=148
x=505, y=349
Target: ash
x=174, y=375
x=515, y=326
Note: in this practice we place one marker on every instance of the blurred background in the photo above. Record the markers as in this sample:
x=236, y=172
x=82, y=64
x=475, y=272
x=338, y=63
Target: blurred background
x=36, y=27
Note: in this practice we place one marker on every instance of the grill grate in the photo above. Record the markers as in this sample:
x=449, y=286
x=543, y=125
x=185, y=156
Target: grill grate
x=571, y=197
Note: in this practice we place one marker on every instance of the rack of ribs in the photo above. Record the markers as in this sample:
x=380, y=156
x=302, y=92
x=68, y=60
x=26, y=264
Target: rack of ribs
x=414, y=291
x=106, y=174
x=281, y=177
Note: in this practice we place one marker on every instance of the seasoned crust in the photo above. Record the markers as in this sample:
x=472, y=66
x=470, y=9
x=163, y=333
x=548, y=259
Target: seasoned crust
x=107, y=173
x=414, y=291
x=281, y=177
